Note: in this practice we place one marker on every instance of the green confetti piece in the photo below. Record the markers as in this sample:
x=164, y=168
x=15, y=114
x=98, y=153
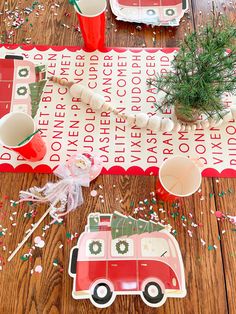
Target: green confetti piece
x=174, y=233
x=1, y=234
x=14, y=204
x=131, y=204
x=154, y=201
x=30, y=203
x=211, y=195
x=55, y=261
x=58, y=223
x=219, y=238
x=24, y=258
x=174, y=215
x=210, y=247
x=146, y=202
x=183, y=218
x=68, y=235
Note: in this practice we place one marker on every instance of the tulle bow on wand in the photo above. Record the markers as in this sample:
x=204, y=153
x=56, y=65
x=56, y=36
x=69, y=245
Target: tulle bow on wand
x=64, y=195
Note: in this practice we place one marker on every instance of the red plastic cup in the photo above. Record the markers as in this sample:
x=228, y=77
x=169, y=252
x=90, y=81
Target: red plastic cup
x=92, y=23
x=178, y=177
x=15, y=127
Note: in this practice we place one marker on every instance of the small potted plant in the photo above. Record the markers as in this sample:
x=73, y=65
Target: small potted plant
x=202, y=71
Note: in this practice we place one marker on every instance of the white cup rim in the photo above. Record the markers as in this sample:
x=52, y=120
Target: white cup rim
x=8, y=115
x=199, y=176
x=91, y=15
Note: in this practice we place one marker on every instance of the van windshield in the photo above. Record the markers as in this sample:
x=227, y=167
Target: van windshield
x=155, y=247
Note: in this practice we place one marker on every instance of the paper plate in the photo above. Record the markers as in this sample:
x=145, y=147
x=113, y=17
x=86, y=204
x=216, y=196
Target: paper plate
x=154, y=12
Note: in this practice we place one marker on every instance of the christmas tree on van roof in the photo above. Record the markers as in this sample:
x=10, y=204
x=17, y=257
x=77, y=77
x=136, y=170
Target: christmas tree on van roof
x=122, y=225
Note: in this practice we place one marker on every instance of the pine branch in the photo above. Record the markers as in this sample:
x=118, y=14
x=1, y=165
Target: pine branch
x=202, y=71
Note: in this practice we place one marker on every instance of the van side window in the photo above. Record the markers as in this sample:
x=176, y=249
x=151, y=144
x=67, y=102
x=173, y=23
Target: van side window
x=155, y=247
x=122, y=247
x=95, y=248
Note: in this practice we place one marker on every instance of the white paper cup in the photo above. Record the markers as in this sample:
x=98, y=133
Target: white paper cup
x=179, y=176
x=15, y=127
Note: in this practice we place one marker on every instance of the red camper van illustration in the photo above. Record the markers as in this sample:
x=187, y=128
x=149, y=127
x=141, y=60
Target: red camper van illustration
x=117, y=254
x=159, y=12
x=15, y=77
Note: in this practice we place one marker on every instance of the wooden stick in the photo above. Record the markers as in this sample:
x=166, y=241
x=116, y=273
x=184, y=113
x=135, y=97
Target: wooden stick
x=29, y=234
x=61, y=81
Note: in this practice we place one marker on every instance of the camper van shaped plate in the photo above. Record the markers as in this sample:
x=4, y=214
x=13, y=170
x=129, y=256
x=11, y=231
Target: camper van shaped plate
x=15, y=77
x=119, y=255
x=154, y=12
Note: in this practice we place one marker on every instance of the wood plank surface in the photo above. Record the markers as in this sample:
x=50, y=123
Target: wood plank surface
x=210, y=272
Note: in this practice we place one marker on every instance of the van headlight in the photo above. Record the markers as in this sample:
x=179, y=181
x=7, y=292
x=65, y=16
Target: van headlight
x=170, y=12
x=174, y=282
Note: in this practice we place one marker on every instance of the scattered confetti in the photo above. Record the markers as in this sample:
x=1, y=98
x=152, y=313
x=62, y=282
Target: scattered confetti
x=25, y=257
x=219, y=214
x=68, y=235
x=39, y=242
x=38, y=269
x=232, y=219
x=93, y=193
x=203, y=242
x=55, y=262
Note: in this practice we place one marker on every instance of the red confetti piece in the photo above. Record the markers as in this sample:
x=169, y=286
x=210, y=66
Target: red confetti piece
x=219, y=214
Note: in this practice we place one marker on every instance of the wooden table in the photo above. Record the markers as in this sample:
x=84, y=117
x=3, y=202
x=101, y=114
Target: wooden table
x=210, y=272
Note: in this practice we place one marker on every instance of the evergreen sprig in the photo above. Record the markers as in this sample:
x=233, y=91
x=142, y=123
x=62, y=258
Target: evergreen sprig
x=203, y=69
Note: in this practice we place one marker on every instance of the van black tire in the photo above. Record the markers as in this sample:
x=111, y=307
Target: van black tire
x=102, y=299
x=153, y=298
